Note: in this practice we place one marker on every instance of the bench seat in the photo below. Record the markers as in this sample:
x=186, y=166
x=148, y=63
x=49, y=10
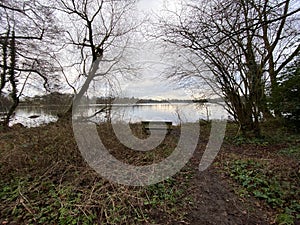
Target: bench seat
x=157, y=125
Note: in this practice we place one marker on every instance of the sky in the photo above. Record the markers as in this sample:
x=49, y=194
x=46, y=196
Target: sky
x=151, y=82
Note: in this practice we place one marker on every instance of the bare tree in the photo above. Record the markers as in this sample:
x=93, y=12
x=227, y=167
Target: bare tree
x=100, y=32
x=244, y=44
x=27, y=33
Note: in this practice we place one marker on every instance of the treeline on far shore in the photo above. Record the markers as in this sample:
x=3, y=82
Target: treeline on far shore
x=57, y=98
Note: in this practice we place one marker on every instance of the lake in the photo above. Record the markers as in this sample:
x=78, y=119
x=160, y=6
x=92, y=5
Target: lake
x=175, y=112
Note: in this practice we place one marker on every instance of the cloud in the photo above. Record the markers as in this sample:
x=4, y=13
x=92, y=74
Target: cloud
x=148, y=5
x=154, y=88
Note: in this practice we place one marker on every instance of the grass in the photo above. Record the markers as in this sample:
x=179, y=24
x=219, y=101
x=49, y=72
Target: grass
x=277, y=188
x=264, y=183
x=292, y=151
x=266, y=169
x=43, y=201
x=45, y=180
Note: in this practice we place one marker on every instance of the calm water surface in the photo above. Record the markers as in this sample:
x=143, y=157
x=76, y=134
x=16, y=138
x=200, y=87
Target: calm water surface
x=175, y=112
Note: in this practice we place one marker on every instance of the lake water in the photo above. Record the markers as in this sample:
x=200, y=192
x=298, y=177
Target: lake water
x=175, y=112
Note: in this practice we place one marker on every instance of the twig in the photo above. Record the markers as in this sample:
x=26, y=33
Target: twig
x=25, y=206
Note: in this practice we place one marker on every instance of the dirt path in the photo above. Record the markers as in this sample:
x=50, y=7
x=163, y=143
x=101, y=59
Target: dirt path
x=217, y=204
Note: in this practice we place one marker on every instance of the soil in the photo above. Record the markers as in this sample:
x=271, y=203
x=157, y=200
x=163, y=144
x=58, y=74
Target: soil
x=216, y=202
x=214, y=192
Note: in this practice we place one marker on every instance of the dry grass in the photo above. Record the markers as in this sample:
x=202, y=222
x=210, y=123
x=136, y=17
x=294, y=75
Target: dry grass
x=46, y=180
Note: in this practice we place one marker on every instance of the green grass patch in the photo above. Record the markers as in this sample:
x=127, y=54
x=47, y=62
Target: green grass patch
x=82, y=201
x=45, y=180
x=257, y=180
x=293, y=152
x=40, y=203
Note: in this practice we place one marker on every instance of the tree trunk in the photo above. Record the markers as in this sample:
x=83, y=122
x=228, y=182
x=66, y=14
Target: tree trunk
x=12, y=80
x=77, y=98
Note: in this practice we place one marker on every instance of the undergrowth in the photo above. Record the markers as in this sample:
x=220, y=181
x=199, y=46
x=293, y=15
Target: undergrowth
x=44, y=180
x=44, y=201
x=258, y=179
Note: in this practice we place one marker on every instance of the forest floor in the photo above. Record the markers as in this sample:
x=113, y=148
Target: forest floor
x=45, y=180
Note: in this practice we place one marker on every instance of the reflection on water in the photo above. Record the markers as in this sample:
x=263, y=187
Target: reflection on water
x=175, y=112
x=42, y=114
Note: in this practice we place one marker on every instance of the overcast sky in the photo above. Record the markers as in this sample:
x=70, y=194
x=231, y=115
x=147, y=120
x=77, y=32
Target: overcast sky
x=150, y=83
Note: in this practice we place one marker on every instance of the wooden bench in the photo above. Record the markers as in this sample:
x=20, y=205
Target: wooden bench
x=157, y=125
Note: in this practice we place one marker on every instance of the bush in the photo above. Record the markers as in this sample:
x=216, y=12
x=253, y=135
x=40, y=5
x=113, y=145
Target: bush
x=286, y=96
